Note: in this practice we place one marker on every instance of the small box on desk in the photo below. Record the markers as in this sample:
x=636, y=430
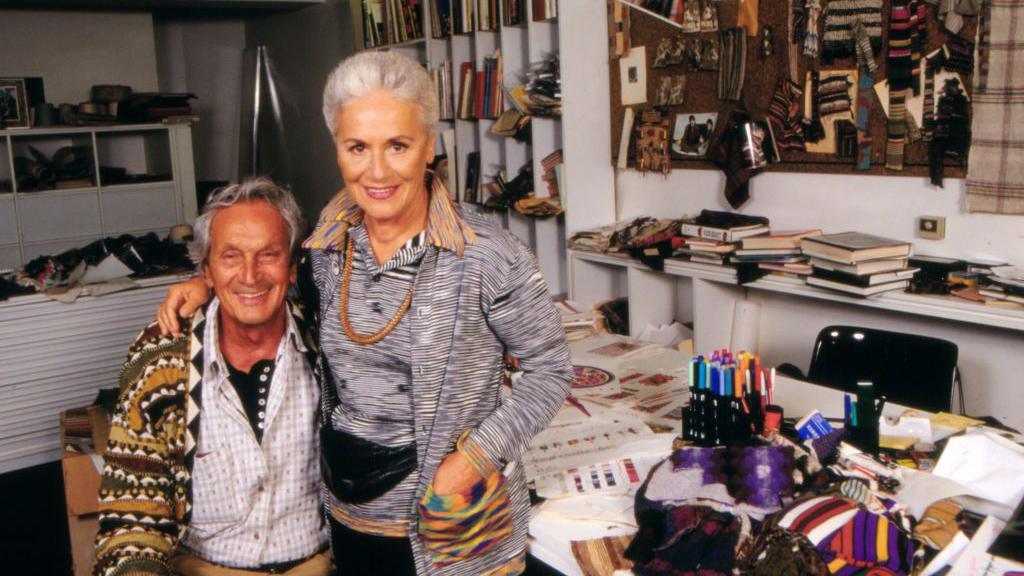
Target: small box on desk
x=83, y=433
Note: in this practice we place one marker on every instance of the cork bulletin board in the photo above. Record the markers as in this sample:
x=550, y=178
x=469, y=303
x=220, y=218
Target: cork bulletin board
x=762, y=74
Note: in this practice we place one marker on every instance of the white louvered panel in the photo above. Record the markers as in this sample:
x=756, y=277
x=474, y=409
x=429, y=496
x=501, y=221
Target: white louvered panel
x=56, y=356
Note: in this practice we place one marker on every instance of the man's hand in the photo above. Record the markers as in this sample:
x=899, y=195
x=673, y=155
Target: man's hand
x=455, y=474
x=182, y=300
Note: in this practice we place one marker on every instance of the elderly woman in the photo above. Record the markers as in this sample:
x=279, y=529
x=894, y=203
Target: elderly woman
x=418, y=303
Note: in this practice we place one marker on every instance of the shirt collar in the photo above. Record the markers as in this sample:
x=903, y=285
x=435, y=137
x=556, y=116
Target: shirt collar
x=446, y=229
x=217, y=365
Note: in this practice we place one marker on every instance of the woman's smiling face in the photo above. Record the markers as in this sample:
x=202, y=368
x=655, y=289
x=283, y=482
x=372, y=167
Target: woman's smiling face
x=383, y=152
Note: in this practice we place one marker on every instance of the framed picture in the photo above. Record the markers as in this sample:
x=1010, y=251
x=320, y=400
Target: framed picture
x=692, y=134
x=13, y=103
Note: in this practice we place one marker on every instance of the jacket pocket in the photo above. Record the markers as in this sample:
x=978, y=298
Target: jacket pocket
x=458, y=526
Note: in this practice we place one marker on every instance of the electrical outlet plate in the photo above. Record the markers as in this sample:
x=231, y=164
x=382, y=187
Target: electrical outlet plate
x=931, y=227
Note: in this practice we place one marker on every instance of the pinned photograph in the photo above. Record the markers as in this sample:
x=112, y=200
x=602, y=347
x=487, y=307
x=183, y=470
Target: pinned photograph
x=633, y=76
x=692, y=134
x=691, y=16
x=708, y=16
x=671, y=90
x=13, y=103
x=710, y=57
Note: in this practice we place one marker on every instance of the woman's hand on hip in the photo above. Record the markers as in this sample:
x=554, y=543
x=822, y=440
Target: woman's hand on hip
x=455, y=474
x=182, y=300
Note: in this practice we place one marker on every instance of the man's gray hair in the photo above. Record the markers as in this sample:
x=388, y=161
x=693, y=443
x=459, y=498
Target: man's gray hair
x=248, y=190
x=366, y=72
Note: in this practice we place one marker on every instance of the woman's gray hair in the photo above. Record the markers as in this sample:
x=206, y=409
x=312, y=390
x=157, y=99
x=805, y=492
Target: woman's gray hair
x=248, y=190
x=366, y=72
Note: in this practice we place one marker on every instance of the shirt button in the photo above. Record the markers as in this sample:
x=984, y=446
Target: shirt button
x=263, y=390
x=261, y=414
x=262, y=402
x=260, y=488
x=256, y=536
x=266, y=369
x=263, y=377
x=259, y=425
x=334, y=267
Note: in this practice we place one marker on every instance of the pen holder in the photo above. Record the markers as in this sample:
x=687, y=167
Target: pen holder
x=865, y=438
x=739, y=424
x=772, y=419
x=756, y=413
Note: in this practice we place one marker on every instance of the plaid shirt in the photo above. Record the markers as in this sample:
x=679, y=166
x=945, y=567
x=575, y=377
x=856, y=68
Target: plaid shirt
x=256, y=503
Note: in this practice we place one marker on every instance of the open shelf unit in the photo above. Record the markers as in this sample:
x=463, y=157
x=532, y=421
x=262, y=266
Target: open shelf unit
x=520, y=46
x=139, y=178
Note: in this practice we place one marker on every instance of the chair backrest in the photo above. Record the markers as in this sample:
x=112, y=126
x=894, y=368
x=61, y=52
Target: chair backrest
x=908, y=369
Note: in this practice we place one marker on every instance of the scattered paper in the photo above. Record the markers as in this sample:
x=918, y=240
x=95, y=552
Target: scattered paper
x=110, y=268
x=919, y=490
x=954, y=421
x=975, y=559
x=947, y=555
x=989, y=465
x=668, y=335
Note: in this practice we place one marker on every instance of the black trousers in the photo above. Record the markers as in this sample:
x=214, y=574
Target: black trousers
x=358, y=554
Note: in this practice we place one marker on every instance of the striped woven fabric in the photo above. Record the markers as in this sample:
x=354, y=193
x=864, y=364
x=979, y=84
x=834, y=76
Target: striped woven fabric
x=732, y=64
x=899, y=68
x=865, y=50
x=456, y=526
x=918, y=36
x=838, y=39
x=812, y=127
x=602, y=556
x=784, y=115
x=995, y=172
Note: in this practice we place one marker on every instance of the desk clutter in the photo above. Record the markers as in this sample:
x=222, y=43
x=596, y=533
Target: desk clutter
x=640, y=473
x=853, y=263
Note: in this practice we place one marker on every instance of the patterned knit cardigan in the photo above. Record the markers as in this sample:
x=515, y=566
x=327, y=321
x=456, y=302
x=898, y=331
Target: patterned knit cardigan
x=145, y=497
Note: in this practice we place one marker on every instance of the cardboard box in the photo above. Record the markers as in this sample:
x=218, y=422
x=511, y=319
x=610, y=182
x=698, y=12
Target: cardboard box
x=82, y=472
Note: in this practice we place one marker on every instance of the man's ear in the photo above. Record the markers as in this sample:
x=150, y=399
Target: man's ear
x=293, y=273
x=207, y=277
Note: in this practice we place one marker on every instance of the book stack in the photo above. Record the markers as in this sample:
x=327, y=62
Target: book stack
x=490, y=97
x=391, y=22
x=440, y=19
x=1004, y=290
x=857, y=263
x=487, y=12
x=442, y=77
x=467, y=82
x=545, y=10
x=579, y=322
x=514, y=12
x=462, y=16
x=552, y=177
x=778, y=252
x=712, y=236
x=544, y=88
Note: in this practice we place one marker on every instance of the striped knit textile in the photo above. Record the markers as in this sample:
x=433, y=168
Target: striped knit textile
x=865, y=101
x=812, y=127
x=928, y=116
x=995, y=172
x=798, y=22
x=899, y=66
x=732, y=64
x=602, y=556
x=865, y=50
x=849, y=538
x=838, y=39
x=784, y=115
x=812, y=41
x=834, y=95
x=458, y=525
x=960, y=55
x=793, y=45
x=918, y=36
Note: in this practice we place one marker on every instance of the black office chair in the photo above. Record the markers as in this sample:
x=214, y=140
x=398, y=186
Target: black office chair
x=908, y=369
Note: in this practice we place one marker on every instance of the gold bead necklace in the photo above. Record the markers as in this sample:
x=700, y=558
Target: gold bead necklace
x=346, y=326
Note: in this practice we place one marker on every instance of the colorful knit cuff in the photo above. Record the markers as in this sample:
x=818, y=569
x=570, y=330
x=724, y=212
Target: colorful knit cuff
x=477, y=456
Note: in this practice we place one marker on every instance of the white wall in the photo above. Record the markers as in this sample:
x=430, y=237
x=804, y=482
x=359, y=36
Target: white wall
x=72, y=51
x=884, y=205
x=203, y=55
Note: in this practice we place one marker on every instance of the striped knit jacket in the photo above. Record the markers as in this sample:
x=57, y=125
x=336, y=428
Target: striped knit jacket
x=145, y=495
x=478, y=294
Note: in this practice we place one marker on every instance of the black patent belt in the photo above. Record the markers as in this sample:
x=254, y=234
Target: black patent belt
x=357, y=470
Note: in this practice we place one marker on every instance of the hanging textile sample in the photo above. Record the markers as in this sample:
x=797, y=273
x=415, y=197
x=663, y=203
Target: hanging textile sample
x=899, y=64
x=732, y=64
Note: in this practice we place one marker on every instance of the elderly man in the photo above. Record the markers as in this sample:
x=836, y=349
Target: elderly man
x=213, y=462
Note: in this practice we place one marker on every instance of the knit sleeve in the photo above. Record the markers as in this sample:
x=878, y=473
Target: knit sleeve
x=525, y=320
x=141, y=499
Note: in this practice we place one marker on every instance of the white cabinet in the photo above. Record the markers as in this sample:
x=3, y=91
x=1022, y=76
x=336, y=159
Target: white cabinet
x=131, y=179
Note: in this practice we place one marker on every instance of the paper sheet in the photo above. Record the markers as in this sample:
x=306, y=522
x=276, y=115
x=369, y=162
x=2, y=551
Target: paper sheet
x=989, y=465
x=975, y=559
x=633, y=76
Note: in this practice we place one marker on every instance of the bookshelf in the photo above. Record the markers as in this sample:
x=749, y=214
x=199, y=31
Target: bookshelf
x=520, y=45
